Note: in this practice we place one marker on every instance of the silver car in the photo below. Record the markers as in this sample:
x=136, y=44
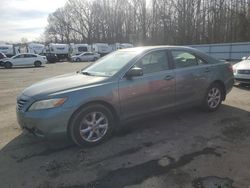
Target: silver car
x=242, y=71
x=89, y=105
x=86, y=56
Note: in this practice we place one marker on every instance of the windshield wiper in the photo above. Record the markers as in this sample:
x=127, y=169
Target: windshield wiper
x=87, y=73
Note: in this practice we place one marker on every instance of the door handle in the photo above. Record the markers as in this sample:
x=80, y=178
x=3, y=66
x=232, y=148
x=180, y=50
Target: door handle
x=169, y=77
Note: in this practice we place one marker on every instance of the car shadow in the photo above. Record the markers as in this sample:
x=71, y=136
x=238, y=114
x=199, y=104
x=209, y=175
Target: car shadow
x=154, y=121
x=25, y=149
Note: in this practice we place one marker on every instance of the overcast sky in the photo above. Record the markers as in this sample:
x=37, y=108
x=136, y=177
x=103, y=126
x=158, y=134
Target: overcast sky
x=25, y=18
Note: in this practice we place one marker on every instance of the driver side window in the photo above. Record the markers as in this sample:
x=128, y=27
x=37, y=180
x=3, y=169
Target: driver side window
x=19, y=56
x=153, y=62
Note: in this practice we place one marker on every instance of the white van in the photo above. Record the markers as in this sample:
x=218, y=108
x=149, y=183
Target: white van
x=7, y=49
x=101, y=48
x=118, y=46
x=61, y=50
x=35, y=48
x=76, y=49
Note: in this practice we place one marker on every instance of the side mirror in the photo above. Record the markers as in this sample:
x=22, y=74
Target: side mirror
x=244, y=58
x=134, y=72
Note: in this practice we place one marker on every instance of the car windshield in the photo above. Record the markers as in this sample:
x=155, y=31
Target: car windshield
x=110, y=64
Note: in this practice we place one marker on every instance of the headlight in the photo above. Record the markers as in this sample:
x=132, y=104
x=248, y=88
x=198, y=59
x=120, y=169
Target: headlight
x=46, y=104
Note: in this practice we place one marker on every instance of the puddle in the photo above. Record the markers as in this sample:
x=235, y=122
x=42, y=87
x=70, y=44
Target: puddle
x=136, y=174
x=212, y=182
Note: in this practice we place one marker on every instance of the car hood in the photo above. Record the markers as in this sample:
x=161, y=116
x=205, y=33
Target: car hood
x=243, y=65
x=6, y=59
x=61, y=83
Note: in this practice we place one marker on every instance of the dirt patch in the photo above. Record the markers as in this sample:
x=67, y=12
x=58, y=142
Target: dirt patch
x=237, y=132
x=55, y=168
x=236, y=128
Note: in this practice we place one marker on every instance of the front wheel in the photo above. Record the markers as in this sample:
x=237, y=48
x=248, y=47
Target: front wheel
x=37, y=64
x=213, y=98
x=92, y=125
x=8, y=65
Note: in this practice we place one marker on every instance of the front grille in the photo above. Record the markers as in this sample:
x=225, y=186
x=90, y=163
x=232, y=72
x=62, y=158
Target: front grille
x=243, y=71
x=21, y=103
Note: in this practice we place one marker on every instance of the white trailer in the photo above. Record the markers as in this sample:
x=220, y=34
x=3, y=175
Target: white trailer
x=126, y=45
x=101, y=48
x=61, y=50
x=118, y=46
x=76, y=49
x=35, y=48
x=7, y=49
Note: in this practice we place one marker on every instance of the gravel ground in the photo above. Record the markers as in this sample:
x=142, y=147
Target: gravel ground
x=184, y=149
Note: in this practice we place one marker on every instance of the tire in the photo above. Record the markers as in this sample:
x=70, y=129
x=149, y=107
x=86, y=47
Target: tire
x=84, y=129
x=95, y=58
x=213, y=98
x=37, y=64
x=8, y=65
x=78, y=59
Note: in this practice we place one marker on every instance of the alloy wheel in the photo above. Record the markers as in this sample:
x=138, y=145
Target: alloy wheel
x=214, y=97
x=94, y=126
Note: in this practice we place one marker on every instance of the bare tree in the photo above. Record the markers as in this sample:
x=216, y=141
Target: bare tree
x=154, y=22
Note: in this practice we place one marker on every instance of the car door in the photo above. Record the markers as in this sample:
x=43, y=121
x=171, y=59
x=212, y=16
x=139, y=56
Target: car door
x=18, y=60
x=84, y=57
x=29, y=59
x=152, y=91
x=91, y=57
x=192, y=75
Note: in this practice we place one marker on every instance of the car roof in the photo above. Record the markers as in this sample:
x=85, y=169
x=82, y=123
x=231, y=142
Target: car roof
x=148, y=48
x=144, y=49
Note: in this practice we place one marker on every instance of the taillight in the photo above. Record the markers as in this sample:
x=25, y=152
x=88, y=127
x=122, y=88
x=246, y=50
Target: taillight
x=230, y=68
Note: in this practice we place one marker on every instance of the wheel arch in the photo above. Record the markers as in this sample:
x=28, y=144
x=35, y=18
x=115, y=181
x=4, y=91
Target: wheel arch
x=100, y=102
x=221, y=83
x=6, y=62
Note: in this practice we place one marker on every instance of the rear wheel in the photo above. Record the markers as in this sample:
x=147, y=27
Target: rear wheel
x=213, y=98
x=37, y=64
x=8, y=65
x=92, y=125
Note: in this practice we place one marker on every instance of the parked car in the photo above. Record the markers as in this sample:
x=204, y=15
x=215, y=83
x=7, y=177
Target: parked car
x=2, y=57
x=51, y=58
x=90, y=104
x=86, y=56
x=24, y=59
x=242, y=71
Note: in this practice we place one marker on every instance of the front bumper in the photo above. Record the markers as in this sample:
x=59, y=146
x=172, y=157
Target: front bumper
x=242, y=78
x=49, y=123
x=1, y=63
